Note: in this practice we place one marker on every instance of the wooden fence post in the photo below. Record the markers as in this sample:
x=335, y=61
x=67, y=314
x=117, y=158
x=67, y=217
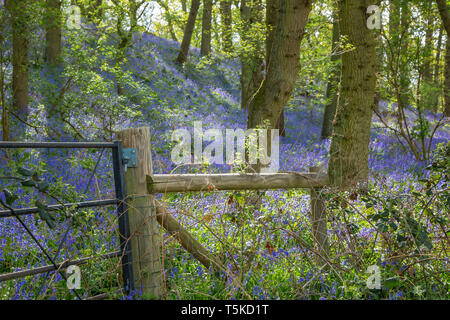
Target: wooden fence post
x=144, y=234
x=319, y=222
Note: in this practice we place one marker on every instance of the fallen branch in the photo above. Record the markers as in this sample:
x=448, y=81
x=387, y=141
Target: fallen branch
x=187, y=241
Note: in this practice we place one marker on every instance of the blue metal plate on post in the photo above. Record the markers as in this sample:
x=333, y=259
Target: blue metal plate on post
x=129, y=156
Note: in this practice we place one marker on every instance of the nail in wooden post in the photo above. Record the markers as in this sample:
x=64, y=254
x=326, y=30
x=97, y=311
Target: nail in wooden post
x=319, y=222
x=145, y=240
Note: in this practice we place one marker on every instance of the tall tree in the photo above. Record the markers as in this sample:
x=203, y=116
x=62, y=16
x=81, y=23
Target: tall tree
x=19, y=10
x=349, y=148
x=437, y=61
x=188, y=30
x=52, y=23
x=205, y=49
x=226, y=22
x=272, y=16
x=251, y=56
x=405, y=65
x=333, y=81
x=5, y=115
x=445, y=16
x=282, y=71
x=428, y=47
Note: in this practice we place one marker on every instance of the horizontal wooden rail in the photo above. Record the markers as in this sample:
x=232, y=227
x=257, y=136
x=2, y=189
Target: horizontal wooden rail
x=162, y=183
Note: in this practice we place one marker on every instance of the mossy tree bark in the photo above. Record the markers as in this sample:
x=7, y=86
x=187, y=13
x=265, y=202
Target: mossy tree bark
x=226, y=22
x=252, y=56
x=5, y=115
x=205, y=49
x=272, y=17
x=445, y=16
x=52, y=22
x=333, y=81
x=20, y=43
x=349, y=148
x=284, y=64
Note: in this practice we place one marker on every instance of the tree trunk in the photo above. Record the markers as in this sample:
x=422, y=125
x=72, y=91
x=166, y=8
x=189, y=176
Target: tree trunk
x=405, y=64
x=272, y=17
x=437, y=63
x=283, y=68
x=5, y=116
x=445, y=16
x=188, y=30
x=447, y=78
x=428, y=48
x=272, y=8
x=251, y=59
x=226, y=21
x=349, y=150
x=205, y=49
x=333, y=82
x=52, y=31
x=20, y=42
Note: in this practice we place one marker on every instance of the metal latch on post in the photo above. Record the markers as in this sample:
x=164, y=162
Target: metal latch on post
x=129, y=156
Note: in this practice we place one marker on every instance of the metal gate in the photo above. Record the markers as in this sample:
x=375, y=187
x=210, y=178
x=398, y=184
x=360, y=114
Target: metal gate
x=120, y=161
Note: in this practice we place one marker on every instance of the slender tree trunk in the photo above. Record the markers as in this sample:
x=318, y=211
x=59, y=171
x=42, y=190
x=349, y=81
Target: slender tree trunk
x=5, y=116
x=333, y=82
x=405, y=65
x=284, y=65
x=445, y=16
x=437, y=61
x=188, y=30
x=447, y=79
x=205, y=49
x=52, y=31
x=251, y=59
x=20, y=42
x=428, y=48
x=349, y=148
x=226, y=21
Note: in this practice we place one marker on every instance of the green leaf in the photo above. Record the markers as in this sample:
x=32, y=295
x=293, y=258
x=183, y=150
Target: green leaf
x=391, y=283
x=10, y=197
x=28, y=183
x=42, y=185
x=25, y=172
x=45, y=215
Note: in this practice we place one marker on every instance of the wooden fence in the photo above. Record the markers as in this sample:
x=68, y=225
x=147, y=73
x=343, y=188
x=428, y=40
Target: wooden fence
x=145, y=214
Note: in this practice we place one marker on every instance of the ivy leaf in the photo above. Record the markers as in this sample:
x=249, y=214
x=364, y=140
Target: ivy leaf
x=42, y=185
x=28, y=183
x=10, y=197
x=45, y=215
x=25, y=172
